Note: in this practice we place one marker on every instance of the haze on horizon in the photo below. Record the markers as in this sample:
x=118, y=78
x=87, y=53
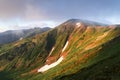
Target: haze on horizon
x=20, y=14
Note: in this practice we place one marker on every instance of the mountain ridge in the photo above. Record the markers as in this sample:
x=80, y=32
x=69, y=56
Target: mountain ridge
x=14, y=35
x=87, y=45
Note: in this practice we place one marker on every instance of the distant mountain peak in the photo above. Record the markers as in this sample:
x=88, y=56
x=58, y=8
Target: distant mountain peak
x=14, y=35
x=86, y=22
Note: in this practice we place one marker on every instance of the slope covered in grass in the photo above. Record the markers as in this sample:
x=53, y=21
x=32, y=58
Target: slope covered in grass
x=91, y=51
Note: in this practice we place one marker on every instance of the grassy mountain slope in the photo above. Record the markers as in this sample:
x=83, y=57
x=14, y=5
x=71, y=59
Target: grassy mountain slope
x=92, y=53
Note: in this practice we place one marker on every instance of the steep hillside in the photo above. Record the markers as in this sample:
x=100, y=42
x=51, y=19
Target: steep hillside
x=75, y=50
x=14, y=35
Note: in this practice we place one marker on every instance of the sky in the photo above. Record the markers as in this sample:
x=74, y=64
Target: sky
x=20, y=14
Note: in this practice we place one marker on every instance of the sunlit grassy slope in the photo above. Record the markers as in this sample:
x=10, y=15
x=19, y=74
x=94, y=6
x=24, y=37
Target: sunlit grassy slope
x=92, y=54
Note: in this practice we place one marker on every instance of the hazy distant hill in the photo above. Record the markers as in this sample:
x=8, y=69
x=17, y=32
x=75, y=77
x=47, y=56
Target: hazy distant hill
x=14, y=35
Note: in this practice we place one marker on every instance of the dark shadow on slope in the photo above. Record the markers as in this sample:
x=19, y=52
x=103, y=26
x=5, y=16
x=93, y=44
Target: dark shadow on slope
x=66, y=39
x=95, y=72
x=51, y=40
x=5, y=76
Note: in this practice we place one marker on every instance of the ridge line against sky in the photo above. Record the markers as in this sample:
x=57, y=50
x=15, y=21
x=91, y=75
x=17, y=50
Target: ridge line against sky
x=17, y=14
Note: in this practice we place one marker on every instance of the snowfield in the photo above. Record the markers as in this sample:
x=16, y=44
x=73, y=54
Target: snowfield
x=78, y=24
x=51, y=51
x=65, y=46
x=21, y=38
x=46, y=67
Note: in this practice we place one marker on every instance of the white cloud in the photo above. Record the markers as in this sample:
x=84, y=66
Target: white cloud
x=17, y=14
x=113, y=19
x=22, y=9
x=27, y=25
x=11, y=8
x=32, y=13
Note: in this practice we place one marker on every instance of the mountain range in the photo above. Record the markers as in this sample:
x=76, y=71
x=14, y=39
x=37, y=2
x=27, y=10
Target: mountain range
x=74, y=50
x=14, y=35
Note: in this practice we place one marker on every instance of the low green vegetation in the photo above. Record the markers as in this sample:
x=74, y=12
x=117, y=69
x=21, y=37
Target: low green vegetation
x=92, y=54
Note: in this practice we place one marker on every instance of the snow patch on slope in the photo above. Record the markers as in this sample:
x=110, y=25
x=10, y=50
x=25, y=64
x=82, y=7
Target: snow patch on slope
x=46, y=67
x=65, y=46
x=51, y=51
x=21, y=38
x=78, y=24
